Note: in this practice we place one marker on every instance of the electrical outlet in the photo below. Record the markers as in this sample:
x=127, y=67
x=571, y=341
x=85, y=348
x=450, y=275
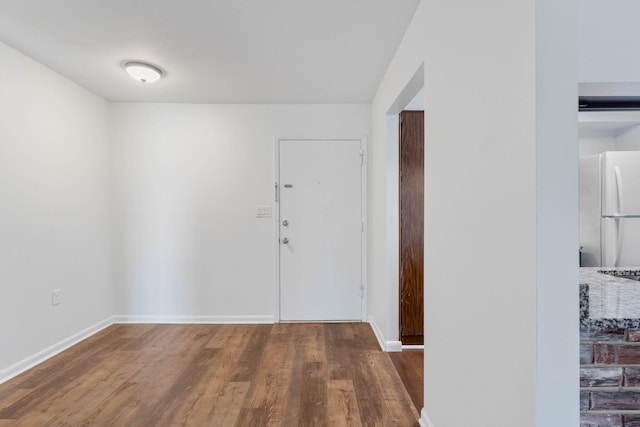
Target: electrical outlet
x=263, y=211
x=55, y=297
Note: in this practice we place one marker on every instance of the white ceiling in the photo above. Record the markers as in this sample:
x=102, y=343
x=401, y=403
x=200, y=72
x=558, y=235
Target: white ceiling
x=214, y=51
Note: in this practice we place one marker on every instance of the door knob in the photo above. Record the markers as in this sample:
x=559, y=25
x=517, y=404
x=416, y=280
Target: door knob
x=285, y=240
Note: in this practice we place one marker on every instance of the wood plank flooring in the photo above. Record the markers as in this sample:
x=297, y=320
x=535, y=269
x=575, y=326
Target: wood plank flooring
x=410, y=367
x=214, y=375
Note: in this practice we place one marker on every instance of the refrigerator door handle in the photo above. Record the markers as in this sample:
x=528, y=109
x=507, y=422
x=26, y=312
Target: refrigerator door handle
x=619, y=222
x=619, y=192
x=618, y=245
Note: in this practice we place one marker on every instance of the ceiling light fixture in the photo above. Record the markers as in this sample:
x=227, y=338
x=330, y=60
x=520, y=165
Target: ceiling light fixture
x=143, y=72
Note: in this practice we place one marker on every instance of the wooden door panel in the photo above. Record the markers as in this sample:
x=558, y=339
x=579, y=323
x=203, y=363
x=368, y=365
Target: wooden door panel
x=411, y=227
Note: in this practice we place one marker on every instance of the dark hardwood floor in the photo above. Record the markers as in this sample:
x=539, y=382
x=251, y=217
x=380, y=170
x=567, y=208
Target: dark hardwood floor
x=214, y=375
x=410, y=367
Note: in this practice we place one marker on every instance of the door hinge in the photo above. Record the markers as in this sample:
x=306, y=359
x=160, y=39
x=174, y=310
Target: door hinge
x=361, y=157
x=276, y=193
x=362, y=227
x=362, y=290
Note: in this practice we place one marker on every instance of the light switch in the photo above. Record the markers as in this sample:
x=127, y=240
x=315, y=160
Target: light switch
x=263, y=211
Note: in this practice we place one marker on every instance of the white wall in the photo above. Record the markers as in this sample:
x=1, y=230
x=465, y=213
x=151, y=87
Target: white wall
x=601, y=131
x=609, y=37
x=556, y=272
x=417, y=103
x=190, y=177
x=54, y=208
x=594, y=141
x=501, y=339
x=628, y=139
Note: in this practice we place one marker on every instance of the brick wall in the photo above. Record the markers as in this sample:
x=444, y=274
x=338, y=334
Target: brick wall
x=610, y=378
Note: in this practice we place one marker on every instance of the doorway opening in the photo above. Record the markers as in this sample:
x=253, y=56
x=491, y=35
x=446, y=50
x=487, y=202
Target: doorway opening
x=410, y=98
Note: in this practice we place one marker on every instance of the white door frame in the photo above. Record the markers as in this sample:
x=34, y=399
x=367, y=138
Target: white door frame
x=276, y=213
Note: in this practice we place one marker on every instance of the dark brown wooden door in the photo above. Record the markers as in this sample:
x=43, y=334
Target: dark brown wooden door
x=411, y=227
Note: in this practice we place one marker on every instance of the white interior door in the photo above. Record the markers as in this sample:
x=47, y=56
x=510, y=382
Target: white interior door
x=320, y=230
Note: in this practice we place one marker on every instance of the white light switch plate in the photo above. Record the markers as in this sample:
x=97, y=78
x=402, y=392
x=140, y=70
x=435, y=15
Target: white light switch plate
x=263, y=211
x=55, y=297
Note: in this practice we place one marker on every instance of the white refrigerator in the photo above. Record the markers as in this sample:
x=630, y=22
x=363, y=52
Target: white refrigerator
x=610, y=209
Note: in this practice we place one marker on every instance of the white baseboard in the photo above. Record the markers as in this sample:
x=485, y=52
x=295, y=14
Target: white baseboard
x=388, y=346
x=424, y=420
x=377, y=332
x=394, y=346
x=413, y=346
x=31, y=361
x=193, y=319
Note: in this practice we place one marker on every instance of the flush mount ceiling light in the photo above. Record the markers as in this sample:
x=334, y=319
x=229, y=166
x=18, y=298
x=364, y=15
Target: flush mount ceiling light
x=143, y=72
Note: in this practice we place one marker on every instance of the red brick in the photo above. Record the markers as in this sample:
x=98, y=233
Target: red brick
x=586, y=356
x=613, y=334
x=632, y=377
x=615, y=400
x=600, y=420
x=616, y=354
x=633, y=335
x=600, y=377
